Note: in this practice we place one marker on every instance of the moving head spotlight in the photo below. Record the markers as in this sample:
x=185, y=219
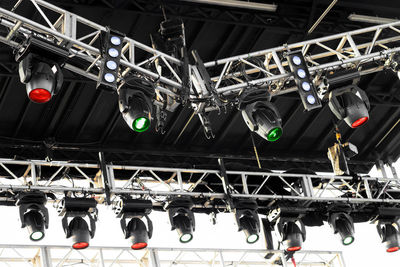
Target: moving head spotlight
x=260, y=115
x=182, y=218
x=40, y=64
x=135, y=103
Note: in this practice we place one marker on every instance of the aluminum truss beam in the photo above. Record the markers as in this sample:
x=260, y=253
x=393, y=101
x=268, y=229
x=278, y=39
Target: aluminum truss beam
x=122, y=256
x=355, y=49
x=59, y=177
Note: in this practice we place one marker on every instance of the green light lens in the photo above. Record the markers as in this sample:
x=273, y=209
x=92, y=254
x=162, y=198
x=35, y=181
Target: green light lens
x=141, y=124
x=252, y=239
x=36, y=236
x=348, y=240
x=186, y=238
x=274, y=134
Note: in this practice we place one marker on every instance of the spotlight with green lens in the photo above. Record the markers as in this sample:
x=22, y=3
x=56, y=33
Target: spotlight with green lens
x=252, y=238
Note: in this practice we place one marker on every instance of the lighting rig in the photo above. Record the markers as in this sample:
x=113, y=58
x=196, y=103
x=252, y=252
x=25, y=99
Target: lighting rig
x=135, y=209
x=181, y=217
x=33, y=213
x=78, y=209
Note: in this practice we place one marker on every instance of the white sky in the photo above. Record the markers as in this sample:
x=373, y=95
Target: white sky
x=366, y=251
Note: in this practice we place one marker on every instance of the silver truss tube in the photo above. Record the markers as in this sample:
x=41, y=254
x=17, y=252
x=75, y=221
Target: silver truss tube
x=370, y=19
x=239, y=4
x=300, y=44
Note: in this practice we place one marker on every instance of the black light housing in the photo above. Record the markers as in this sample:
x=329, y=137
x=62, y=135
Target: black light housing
x=33, y=213
x=79, y=232
x=135, y=103
x=78, y=228
x=247, y=219
x=39, y=68
x=260, y=115
x=136, y=230
x=112, y=43
x=182, y=218
x=292, y=233
x=350, y=104
x=390, y=235
x=342, y=224
x=306, y=88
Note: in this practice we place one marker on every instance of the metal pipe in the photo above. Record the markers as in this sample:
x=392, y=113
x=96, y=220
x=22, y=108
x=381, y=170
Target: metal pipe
x=322, y=16
x=370, y=19
x=238, y=4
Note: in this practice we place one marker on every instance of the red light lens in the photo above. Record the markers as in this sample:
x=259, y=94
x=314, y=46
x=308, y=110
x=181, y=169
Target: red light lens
x=139, y=246
x=293, y=248
x=393, y=249
x=80, y=245
x=359, y=122
x=40, y=95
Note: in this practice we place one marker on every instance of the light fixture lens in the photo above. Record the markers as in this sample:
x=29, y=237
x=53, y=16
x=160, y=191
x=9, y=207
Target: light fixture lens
x=274, y=134
x=348, y=240
x=112, y=65
x=36, y=236
x=112, y=52
x=306, y=86
x=80, y=245
x=252, y=238
x=293, y=248
x=359, y=122
x=301, y=73
x=141, y=124
x=115, y=40
x=392, y=249
x=109, y=77
x=39, y=95
x=296, y=60
x=185, y=238
x=138, y=246
x=311, y=99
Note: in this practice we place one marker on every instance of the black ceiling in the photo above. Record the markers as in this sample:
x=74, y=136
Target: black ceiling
x=80, y=120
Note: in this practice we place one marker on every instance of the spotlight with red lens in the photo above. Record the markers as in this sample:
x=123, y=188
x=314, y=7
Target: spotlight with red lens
x=390, y=235
x=350, y=104
x=135, y=230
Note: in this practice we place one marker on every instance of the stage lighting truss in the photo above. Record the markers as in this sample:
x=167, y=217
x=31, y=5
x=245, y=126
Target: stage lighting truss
x=146, y=180
x=212, y=82
x=342, y=224
x=78, y=209
x=134, y=210
x=33, y=213
x=181, y=217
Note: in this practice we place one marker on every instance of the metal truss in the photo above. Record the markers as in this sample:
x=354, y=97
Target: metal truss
x=48, y=256
x=349, y=50
x=355, y=50
x=160, y=184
